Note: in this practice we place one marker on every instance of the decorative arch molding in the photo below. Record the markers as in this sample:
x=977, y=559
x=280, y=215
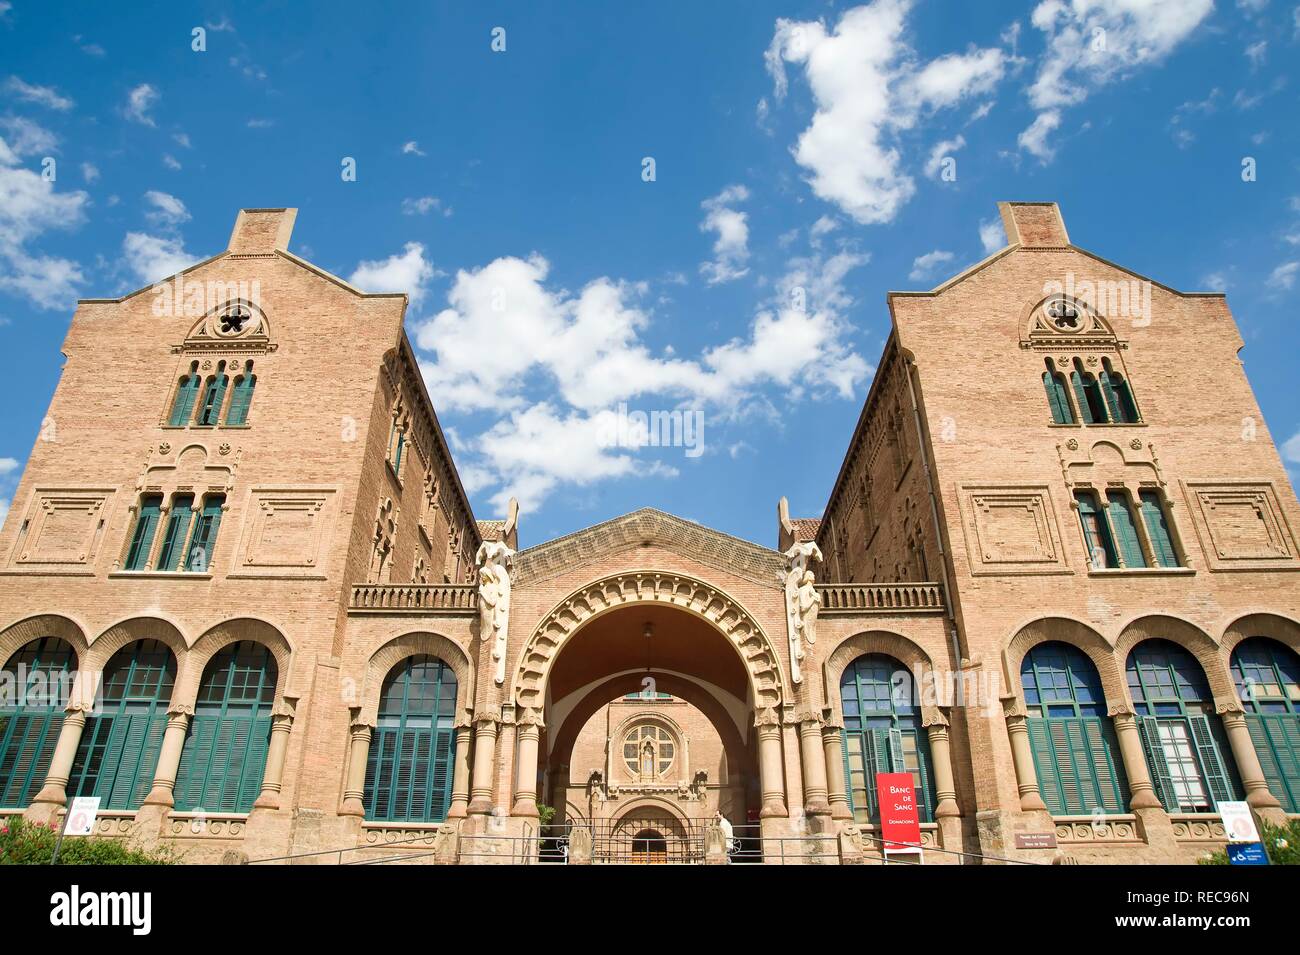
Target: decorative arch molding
x=1192, y=639
x=17, y=635
x=1038, y=328
x=630, y=820
x=1078, y=635
x=408, y=645
x=883, y=642
x=222, y=635
x=702, y=600
x=129, y=631
x=209, y=331
x=1271, y=625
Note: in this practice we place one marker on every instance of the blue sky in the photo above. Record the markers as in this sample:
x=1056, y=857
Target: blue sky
x=795, y=151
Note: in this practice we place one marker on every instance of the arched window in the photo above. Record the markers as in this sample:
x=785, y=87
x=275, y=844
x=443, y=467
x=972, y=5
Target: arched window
x=882, y=734
x=186, y=393
x=225, y=750
x=213, y=395
x=1267, y=674
x=408, y=771
x=34, y=690
x=146, y=525
x=119, y=747
x=649, y=847
x=1181, y=735
x=1119, y=399
x=1096, y=531
x=1088, y=394
x=1058, y=398
x=1120, y=513
x=649, y=751
x=1070, y=734
x=241, y=398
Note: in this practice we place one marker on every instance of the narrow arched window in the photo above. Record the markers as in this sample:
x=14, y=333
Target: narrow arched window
x=1091, y=405
x=225, y=750
x=119, y=746
x=213, y=395
x=1058, y=398
x=34, y=690
x=178, y=527
x=142, y=534
x=1267, y=674
x=203, y=541
x=1156, y=520
x=241, y=397
x=1181, y=735
x=1070, y=735
x=1120, y=513
x=882, y=734
x=1097, y=538
x=187, y=390
x=409, y=768
x=1119, y=398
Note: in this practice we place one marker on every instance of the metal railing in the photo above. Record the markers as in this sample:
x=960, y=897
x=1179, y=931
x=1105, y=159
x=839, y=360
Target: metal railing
x=925, y=597
x=441, y=598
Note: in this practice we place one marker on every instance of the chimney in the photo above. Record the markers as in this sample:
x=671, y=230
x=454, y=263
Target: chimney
x=1033, y=225
x=262, y=231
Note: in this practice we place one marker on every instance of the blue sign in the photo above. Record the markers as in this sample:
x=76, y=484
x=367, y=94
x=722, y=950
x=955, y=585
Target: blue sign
x=1247, y=853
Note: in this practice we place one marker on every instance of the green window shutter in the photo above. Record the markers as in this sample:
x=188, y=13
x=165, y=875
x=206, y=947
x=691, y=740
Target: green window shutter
x=178, y=526
x=1112, y=398
x=146, y=524
x=1108, y=772
x=1162, y=544
x=1277, y=741
x=1081, y=396
x=1057, y=399
x=183, y=404
x=25, y=760
x=241, y=398
x=1121, y=520
x=213, y=396
x=1096, y=532
x=1149, y=730
x=198, y=557
x=1213, y=769
x=1046, y=767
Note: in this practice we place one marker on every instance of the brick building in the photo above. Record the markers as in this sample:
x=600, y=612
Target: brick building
x=245, y=602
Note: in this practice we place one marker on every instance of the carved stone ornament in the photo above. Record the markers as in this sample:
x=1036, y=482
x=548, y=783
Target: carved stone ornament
x=802, y=602
x=493, y=561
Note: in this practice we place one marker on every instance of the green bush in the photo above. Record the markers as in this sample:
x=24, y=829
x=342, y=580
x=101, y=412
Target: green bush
x=1282, y=843
x=24, y=843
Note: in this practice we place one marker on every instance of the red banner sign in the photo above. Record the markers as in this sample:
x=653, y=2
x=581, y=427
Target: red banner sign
x=900, y=823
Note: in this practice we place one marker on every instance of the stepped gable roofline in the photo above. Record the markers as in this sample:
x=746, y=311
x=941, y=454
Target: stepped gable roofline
x=726, y=553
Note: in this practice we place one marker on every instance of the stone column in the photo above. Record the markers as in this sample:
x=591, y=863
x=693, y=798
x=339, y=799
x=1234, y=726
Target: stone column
x=169, y=758
x=1142, y=794
x=528, y=731
x=813, y=758
x=1022, y=756
x=945, y=790
x=771, y=779
x=460, y=772
x=1252, y=774
x=273, y=777
x=833, y=750
x=54, y=793
x=359, y=753
x=485, y=743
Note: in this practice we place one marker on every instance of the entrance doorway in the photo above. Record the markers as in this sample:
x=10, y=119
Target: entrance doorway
x=649, y=847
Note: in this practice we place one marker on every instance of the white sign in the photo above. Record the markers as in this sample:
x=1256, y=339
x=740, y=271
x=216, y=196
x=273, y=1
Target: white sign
x=81, y=816
x=1238, y=822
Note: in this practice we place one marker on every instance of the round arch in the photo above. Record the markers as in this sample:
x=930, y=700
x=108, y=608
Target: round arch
x=16, y=636
x=1192, y=639
x=636, y=816
x=883, y=642
x=1076, y=634
x=1270, y=625
x=727, y=615
x=222, y=635
x=129, y=631
x=396, y=650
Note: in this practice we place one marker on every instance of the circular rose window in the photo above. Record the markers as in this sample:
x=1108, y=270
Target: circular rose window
x=648, y=751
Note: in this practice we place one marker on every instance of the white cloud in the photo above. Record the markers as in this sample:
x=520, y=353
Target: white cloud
x=46, y=96
x=412, y=148
x=8, y=465
x=1255, y=53
x=1215, y=282
x=138, y=103
x=26, y=138
x=1034, y=138
x=993, y=235
x=1291, y=449
x=423, y=206
x=406, y=271
x=867, y=86
x=731, y=248
x=29, y=207
x=1283, y=277
x=261, y=123
x=170, y=161
x=89, y=172
x=183, y=139
x=153, y=258
x=923, y=266
x=943, y=150
x=167, y=211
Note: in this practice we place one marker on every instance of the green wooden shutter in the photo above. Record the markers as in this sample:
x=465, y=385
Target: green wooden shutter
x=1057, y=399
x=443, y=752
x=1149, y=730
x=1213, y=768
x=178, y=526
x=213, y=396
x=25, y=760
x=1085, y=409
x=146, y=523
x=183, y=404
x=1112, y=399
x=1277, y=741
x=198, y=557
x=1108, y=774
x=1153, y=514
x=1121, y=519
x=241, y=399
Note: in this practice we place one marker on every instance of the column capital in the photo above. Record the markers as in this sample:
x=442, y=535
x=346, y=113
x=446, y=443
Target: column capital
x=1118, y=710
x=181, y=709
